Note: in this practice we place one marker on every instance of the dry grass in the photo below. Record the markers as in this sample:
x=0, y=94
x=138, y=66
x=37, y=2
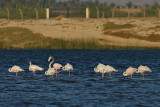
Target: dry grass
x=59, y=17
x=20, y=38
x=127, y=35
x=124, y=31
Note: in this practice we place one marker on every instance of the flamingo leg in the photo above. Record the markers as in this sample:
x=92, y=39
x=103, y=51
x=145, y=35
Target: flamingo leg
x=56, y=74
x=69, y=73
x=109, y=75
x=102, y=74
x=16, y=74
x=34, y=73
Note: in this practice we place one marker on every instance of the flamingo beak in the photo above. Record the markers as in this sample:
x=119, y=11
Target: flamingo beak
x=63, y=68
x=116, y=70
x=22, y=70
x=150, y=71
x=42, y=68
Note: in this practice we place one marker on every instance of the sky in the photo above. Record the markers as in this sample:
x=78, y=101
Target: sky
x=123, y=2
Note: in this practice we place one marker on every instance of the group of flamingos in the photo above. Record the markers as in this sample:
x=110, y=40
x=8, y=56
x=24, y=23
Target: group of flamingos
x=101, y=68
x=51, y=71
x=129, y=71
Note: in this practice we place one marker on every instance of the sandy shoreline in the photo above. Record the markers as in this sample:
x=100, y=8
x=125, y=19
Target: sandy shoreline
x=78, y=28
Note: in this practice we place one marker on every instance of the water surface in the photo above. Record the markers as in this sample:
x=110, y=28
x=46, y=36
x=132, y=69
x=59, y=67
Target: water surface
x=84, y=87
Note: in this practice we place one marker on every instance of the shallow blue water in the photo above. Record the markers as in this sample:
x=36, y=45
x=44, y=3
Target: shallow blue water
x=84, y=87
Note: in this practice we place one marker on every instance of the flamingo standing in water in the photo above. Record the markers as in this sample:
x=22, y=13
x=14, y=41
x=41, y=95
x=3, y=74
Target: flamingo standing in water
x=15, y=69
x=50, y=71
x=68, y=67
x=130, y=71
x=57, y=66
x=143, y=69
x=100, y=68
x=109, y=69
x=34, y=68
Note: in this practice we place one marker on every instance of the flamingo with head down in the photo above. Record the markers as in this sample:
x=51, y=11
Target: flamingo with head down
x=68, y=67
x=130, y=71
x=100, y=68
x=34, y=68
x=15, y=69
x=109, y=69
x=57, y=66
x=143, y=69
x=50, y=71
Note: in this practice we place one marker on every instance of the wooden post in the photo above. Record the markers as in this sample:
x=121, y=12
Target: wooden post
x=97, y=12
x=47, y=13
x=144, y=13
x=112, y=13
x=128, y=13
x=36, y=13
x=7, y=13
x=21, y=14
x=102, y=14
x=67, y=12
x=158, y=12
x=87, y=13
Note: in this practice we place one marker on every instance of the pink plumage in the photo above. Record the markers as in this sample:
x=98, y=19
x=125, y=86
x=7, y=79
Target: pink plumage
x=15, y=69
x=34, y=68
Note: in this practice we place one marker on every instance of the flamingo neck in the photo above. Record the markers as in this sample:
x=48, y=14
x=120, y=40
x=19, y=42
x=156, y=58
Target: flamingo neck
x=51, y=63
x=30, y=62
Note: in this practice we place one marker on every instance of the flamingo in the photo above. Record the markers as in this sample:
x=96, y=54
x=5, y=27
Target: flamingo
x=57, y=66
x=34, y=68
x=15, y=69
x=50, y=71
x=143, y=69
x=68, y=67
x=109, y=69
x=100, y=68
x=130, y=71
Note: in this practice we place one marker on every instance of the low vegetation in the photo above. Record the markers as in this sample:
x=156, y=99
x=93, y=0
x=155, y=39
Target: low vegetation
x=21, y=38
x=127, y=35
x=124, y=32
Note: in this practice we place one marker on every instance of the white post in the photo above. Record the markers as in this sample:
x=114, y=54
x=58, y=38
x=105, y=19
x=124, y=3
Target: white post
x=87, y=13
x=47, y=13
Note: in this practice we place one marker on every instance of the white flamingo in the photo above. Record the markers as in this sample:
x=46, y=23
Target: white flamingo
x=15, y=69
x=34, y=68
x=100, y=68
x=50, y=71
x=130, y=71
x=68, y=67
x=109, y=69
x=57, y=66
x=143, y=69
